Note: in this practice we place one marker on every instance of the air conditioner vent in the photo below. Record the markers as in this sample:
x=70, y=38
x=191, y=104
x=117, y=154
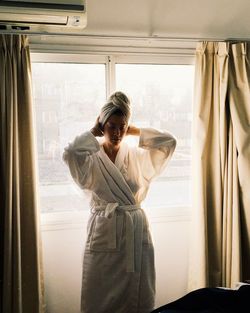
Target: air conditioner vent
x=51, y=16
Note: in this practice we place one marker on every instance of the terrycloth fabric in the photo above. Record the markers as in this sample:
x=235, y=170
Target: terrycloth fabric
x=118, y=267
x=117, y=101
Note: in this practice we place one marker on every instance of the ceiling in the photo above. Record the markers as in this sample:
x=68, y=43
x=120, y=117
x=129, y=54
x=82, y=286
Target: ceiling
x=152, y=27
x=195, y=19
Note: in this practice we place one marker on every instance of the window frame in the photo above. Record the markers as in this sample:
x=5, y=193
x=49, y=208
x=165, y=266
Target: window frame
x=76, y=219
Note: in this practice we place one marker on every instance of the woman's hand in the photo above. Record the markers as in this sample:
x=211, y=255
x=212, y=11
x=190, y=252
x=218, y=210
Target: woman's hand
x=132, y=130
x=96, y=130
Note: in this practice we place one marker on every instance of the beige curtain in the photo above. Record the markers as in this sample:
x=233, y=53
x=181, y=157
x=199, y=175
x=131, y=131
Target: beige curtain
x=21, y=279
x=220, y=227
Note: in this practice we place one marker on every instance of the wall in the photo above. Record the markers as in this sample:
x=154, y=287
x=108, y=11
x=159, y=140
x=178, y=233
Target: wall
x=63, y=243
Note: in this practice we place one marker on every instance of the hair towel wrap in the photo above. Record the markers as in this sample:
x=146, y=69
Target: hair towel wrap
x=117, y=101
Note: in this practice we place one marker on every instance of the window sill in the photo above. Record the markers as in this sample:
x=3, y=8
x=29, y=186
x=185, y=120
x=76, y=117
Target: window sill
x=77, y=219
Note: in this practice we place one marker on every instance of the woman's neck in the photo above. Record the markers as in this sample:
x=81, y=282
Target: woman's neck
x=111, y=151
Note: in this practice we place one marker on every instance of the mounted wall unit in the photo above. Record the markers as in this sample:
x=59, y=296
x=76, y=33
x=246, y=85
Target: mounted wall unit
x=43, y=17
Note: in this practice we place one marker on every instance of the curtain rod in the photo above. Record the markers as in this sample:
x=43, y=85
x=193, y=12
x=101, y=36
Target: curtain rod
x=127, y=37
x=156, y=38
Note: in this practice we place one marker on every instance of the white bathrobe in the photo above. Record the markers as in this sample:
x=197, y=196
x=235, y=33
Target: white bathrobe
x=118, y=267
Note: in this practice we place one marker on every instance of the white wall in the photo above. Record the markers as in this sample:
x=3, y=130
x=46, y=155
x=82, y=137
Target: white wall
x=171, y=235
x=63, y=243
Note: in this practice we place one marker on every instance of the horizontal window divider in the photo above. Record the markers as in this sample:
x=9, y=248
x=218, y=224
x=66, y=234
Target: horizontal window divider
x=79, y=219
x=48, y=57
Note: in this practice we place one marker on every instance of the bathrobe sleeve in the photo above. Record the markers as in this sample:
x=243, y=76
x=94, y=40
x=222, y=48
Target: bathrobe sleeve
x=157, y=149
x=78, y=155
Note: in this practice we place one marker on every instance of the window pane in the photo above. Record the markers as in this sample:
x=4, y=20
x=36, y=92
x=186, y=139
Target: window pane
x=162, y=98
x=67, y=99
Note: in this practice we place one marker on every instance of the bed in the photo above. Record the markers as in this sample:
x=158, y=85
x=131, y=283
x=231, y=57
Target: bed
x=211, y=300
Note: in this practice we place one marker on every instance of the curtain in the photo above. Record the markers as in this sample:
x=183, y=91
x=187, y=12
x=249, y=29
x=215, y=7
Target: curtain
x=220, y=226
x=21, y=274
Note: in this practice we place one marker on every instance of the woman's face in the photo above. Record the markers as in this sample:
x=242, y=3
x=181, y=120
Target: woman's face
x=115, y=129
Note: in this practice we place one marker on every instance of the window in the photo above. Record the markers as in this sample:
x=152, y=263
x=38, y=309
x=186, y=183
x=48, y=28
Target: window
x=68, y=97
x=162, y=97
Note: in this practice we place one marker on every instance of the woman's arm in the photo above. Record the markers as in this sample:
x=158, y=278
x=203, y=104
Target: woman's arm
x=157, y=149
x=133, y=130
x=78, y=155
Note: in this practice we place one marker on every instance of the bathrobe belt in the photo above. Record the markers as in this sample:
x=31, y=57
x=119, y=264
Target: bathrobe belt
x=133, y=243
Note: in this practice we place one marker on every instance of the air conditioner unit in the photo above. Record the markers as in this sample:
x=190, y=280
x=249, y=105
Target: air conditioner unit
x=42, y=17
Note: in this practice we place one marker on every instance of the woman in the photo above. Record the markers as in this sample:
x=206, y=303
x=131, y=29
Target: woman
x=118, y=267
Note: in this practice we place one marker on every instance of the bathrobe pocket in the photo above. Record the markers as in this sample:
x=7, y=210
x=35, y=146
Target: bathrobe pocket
x=106, y=233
